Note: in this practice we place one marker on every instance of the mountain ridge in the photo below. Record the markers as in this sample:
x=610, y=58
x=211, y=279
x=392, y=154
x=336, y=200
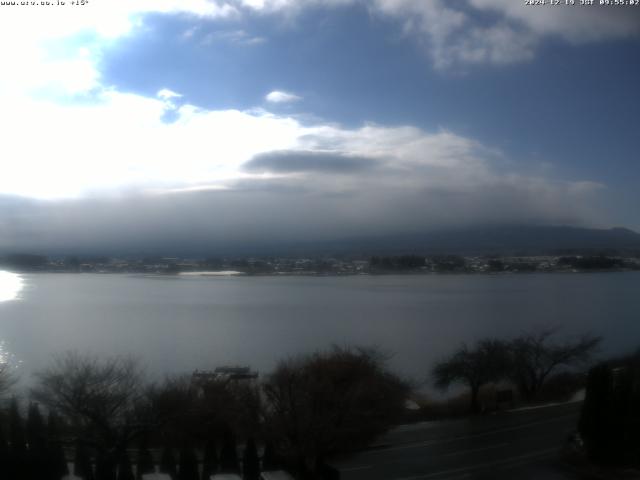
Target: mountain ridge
x=479, y=240
x=497, y=240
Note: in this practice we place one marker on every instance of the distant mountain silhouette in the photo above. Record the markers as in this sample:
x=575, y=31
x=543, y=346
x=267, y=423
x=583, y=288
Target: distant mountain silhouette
x=505, y=240
x=482, y=240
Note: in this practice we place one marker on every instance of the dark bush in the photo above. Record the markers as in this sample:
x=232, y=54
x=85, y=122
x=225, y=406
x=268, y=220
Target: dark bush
x=250, y=461
x=210, y=460
x=610, y=418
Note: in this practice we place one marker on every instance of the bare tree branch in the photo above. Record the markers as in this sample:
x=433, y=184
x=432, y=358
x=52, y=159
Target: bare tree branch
x=536, y=355
x=332, y=401
x=487, y=361
x=92, y=393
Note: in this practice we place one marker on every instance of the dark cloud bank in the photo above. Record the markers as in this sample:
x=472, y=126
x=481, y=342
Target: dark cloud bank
x=292, y=161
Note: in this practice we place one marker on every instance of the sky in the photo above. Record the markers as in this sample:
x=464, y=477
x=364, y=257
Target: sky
x=133, y=124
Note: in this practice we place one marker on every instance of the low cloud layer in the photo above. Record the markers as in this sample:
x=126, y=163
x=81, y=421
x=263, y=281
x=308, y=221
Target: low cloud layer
x=216, y=180
x=255, y=216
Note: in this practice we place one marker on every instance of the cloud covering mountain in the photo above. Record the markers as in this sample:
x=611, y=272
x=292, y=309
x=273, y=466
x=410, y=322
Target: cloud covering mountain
x=90, y=163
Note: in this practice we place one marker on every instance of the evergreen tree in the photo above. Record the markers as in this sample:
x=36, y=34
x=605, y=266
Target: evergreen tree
x=229, y=454
x=326, y=471
x=611, y=413
x=36, y=434
x=56, y=462
x=82, y=463
x=210, y=460
x=53, y=427
x=16, y=429
x=17, y=444
x=250, y=461
x=270, y=460
x=145, y=461
x=105, y=468
x=188, y=464
x=5, y=457
x=4, y=447
x=168, y=462
x=37, y=456
x=57, y=466
x=124, y=468
x=594, y=424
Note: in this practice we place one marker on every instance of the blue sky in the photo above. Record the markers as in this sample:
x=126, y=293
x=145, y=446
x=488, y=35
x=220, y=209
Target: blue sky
x=363, y=115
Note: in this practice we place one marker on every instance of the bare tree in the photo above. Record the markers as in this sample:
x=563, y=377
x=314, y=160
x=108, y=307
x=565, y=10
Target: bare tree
x=7, y=379
x=181, y=406
x=327, y=402
x=534, y=356
x=95, y=394
x=487, y=361
x=167, y=402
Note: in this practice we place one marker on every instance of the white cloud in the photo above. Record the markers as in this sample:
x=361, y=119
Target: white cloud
x=57, y=48
x=280, y=5
x=577, y=24
x=120, y=146
x=241, y=37
x=110, y=142
x=167, y=94
x=238, y=37
x=279, y=96
x=450, y=32
x=122, y=142
x=453, y=38
x=168, y=97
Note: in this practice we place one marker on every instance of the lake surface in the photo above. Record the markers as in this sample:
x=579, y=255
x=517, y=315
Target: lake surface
x=178, y=324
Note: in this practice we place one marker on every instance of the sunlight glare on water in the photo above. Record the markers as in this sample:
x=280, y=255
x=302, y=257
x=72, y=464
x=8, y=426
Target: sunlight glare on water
x=5, y=355
x=10, y=365
x=10, y=286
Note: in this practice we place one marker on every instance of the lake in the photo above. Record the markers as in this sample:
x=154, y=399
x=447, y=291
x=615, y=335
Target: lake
x=181, y=323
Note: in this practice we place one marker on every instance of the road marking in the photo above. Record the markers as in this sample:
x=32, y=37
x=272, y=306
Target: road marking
x=354, y=469
x=450, y=454
x=548, y=405
x=456, y=439
x=511, y=462
x=473, y=450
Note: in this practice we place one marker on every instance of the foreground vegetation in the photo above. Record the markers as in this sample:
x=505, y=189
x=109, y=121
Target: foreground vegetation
x=103, y=414
x=527, y=362
x=309, y=408
x=610, y=420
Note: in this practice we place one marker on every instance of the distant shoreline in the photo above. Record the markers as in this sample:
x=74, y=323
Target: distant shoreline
x=233, y=273
x=221, y=273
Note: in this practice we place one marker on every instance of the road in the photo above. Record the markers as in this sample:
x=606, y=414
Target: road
x=522, y=445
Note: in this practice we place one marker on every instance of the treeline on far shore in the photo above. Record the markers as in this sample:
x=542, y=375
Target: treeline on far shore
x=498, y=264
x=326, y=265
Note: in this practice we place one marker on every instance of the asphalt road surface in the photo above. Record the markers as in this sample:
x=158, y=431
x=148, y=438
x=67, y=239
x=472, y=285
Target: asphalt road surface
x=521, y=445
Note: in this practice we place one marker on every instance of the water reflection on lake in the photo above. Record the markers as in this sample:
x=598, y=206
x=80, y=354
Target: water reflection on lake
x=11, y=285
x=181, y=323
